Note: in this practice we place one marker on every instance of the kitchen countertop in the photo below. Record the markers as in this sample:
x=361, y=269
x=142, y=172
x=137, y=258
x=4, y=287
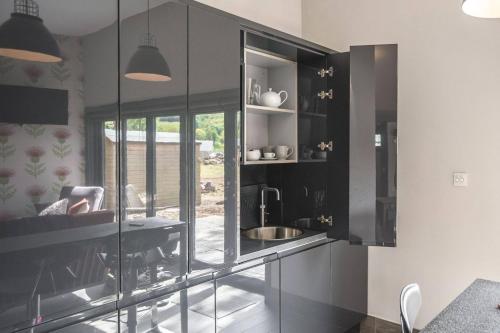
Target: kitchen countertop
x=251, y=248
x=474, y=310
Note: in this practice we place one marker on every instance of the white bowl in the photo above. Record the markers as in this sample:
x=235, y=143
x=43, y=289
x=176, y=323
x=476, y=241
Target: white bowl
x=253, y=155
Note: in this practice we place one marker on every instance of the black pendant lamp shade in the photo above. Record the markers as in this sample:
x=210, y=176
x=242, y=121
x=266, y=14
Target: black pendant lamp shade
x=25, y=37
x=482, y=8
x=147, y=63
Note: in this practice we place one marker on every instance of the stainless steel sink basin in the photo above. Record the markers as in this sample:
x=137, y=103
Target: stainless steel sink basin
x=273, y=233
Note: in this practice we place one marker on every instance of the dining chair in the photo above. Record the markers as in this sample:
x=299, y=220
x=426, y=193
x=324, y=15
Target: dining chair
x=410, y=302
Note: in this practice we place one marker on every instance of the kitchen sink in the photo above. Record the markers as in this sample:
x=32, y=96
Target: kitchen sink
x=273, y=233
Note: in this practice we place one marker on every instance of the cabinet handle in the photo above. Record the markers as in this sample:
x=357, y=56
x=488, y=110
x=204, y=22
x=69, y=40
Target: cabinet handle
x=322, y=94
x=324, y=146
x=328, y=71
x=328, y=220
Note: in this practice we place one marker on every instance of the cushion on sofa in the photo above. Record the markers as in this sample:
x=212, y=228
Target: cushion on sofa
x=57, y=208
x=81, y=207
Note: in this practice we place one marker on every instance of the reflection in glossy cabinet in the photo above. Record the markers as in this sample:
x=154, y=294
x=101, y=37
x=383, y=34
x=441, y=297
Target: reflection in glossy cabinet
x=213, y=114
x=103, y=324
x=107, y=323
x=55, y=147
x=248, y=301
x=189, y=310
x=153, y=147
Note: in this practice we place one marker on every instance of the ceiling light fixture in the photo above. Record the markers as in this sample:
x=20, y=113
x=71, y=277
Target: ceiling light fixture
x=25, y=37
x=147, y=63
x=482, y=8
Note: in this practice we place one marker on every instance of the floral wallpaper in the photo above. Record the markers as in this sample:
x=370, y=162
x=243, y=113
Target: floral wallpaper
x=36, y=161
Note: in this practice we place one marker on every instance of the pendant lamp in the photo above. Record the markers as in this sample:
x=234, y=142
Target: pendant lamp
x=25, y=37
x=147, y=63
x=482, y=8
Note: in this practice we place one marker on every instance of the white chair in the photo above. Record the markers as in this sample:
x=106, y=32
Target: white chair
x=410, y=302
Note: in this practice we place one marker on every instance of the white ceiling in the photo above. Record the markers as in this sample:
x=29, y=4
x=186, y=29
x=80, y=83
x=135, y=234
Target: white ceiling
x=81, y=17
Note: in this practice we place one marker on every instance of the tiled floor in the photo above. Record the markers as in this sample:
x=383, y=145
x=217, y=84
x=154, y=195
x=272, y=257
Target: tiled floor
x=375, y=325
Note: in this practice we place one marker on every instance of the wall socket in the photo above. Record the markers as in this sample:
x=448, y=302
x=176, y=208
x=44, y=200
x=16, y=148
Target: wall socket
x=460, y=179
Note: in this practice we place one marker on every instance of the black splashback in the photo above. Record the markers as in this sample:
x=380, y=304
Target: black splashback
x=249, y=205
x=304, y=193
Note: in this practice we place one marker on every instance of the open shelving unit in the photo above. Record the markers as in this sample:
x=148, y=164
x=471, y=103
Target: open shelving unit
x=270, y=126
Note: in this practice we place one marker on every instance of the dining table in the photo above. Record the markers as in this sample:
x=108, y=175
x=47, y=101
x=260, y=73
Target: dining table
x=475, y=310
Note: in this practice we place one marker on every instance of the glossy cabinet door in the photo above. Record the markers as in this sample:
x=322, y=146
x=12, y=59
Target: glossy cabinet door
x=213, y=125
x=249, y=300
x=107, y=323
x=305, y=292
x=58, y=182
x=365, y=106
x=189, y=310
x=153, y=142
x=103, y=324
x=349, y=283
x=324, y=289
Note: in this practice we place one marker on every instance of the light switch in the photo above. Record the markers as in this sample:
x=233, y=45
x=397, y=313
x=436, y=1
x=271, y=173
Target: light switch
x=460, y=179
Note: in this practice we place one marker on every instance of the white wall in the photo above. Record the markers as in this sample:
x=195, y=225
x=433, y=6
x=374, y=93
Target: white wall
x=283, y=15
x=449, y=118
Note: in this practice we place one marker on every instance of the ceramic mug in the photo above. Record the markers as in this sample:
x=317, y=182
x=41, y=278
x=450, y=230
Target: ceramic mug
x=283, y=152
x=253, y=155
x=269, y=155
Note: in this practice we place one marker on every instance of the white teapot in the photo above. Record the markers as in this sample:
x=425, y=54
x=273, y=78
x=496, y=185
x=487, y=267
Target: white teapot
x=272, y=99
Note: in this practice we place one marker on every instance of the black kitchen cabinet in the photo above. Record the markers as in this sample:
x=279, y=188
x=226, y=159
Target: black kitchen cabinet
x=345, y=180
x=248, y=299
x=364, y=128
x=323, y=289
x=349, y=283
x=214, y=99
x=154, y=150
x=132, y=146
x=305, y=291
x=54, y=262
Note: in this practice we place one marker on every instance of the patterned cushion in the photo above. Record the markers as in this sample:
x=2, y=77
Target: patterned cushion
x=57, y=208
